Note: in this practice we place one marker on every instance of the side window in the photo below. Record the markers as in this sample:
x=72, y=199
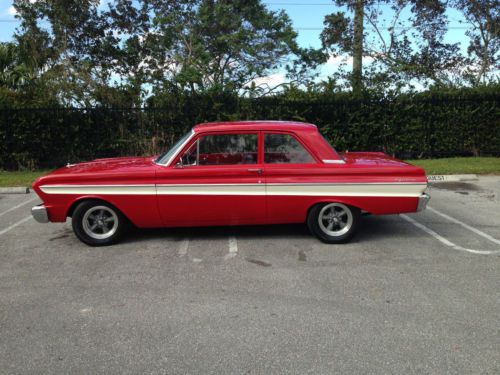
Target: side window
x=190, y=157
x=284, y=148
x=223, y=149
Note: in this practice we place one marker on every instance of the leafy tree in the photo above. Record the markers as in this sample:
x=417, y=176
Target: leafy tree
x=196, y=45
x=398, y=49
x=14, y=72
x=484, y=48
x=20, y=81
x=123, y=52
x=218, y=45
x=126, y=56
x=64, y=38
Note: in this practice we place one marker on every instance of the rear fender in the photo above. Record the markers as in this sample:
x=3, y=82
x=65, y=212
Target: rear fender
x=375, y=205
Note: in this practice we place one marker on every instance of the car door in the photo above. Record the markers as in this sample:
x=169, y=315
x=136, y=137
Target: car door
x=216, y=180
x=289, y=168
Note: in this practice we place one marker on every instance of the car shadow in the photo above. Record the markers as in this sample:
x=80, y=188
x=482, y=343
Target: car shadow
x=373, y=228
x=250, y=232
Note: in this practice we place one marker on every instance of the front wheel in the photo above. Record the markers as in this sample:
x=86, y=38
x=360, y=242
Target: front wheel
x=98, y=223
x=334, y=222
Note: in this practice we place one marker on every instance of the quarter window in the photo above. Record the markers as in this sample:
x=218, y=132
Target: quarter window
x=223, y=149
x=284, y=148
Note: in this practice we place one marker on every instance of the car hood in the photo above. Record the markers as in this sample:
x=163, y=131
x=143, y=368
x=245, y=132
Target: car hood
x=122, y=168
x=122, y=164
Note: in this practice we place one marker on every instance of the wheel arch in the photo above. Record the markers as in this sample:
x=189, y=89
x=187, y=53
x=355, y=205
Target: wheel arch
x=76, y=202
x=347, y=202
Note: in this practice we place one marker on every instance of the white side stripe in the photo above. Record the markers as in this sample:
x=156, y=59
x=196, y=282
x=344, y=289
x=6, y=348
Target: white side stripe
x=100, y=189
x=258, y=189
x=349, y=190
x=306, y=189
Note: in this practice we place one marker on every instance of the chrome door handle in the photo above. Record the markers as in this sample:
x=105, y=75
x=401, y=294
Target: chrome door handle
x=256, y=170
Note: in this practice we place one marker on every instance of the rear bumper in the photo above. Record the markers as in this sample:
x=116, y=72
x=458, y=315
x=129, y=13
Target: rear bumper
x=39, y=213
x=422, y=201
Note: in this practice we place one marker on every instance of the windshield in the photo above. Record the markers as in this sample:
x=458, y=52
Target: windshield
x=165, y=157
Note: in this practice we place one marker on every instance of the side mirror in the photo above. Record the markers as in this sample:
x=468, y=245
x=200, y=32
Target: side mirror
x=179, y=164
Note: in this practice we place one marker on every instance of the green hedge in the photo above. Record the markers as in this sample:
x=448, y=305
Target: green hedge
x=460, y=122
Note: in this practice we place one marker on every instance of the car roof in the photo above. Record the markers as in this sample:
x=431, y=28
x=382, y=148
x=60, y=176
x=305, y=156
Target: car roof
x=254, y=125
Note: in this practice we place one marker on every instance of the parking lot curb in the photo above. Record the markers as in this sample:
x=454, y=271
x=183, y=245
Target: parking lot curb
x=14, y=190
x=451, y=178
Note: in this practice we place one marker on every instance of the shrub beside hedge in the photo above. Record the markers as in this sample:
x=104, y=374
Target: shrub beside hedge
x=459, y=122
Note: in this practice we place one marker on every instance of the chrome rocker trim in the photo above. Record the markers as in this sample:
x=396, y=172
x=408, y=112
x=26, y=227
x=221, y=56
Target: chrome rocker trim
x=422, y=201
x=39, y=213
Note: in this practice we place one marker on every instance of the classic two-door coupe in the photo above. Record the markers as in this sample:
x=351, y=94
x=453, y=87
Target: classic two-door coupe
x=232, y=173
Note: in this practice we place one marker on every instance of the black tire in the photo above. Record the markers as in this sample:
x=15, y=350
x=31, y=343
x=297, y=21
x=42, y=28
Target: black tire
x=105, y=216
x=333, y=210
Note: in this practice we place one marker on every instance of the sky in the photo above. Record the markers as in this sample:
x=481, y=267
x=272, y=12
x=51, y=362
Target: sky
x=307, y=17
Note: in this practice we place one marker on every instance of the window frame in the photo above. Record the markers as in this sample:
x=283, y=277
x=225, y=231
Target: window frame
x=297, y=138
x=198, y=136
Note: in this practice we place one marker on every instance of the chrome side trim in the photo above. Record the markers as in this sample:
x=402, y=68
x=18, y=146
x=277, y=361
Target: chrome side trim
x=96, y=186
x=333, y=161
x=100, y=189
x=293, y=184
x=39, y=213
x=397, y=189
x=422, y=201
x=243, y=190
x=352, y=190
x=348, y=190
x=44, y=188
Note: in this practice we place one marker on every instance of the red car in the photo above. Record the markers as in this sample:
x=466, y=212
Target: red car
x=232, y=173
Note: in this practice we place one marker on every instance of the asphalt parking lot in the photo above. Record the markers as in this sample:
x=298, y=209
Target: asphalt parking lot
x=415, y=293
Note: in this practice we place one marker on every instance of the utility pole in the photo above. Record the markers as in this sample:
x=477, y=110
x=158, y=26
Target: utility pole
x=357, y=51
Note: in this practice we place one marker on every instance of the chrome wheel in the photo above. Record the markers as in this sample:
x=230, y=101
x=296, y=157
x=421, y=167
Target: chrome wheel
x=100, y=222
x=335, y=219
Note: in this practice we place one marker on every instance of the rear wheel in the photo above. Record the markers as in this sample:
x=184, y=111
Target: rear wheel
x=98, y=223
x=334, y=222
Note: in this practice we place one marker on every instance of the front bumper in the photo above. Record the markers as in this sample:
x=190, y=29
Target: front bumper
x=422, y=201
x=40, y=213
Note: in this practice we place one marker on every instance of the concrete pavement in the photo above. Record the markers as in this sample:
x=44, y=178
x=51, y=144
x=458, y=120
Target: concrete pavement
x=256, y=300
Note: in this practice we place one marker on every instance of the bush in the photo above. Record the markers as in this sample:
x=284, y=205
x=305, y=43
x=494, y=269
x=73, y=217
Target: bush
x=454, y=122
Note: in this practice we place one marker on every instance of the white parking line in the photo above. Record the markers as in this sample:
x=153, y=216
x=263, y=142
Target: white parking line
x=3, y=231
x=17, y=206
x=466, y=226
x=233, y=248
x=444, y=240
x=183, y=247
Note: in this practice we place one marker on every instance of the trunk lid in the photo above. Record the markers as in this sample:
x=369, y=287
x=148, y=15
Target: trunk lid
x=367, y=159
x=380, y=163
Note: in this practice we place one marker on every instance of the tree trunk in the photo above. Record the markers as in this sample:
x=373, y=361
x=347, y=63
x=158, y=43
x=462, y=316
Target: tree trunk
x=357, y=51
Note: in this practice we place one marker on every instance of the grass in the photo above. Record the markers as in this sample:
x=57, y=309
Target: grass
x=473, y=165
x=479, y=165
x=19, y=178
